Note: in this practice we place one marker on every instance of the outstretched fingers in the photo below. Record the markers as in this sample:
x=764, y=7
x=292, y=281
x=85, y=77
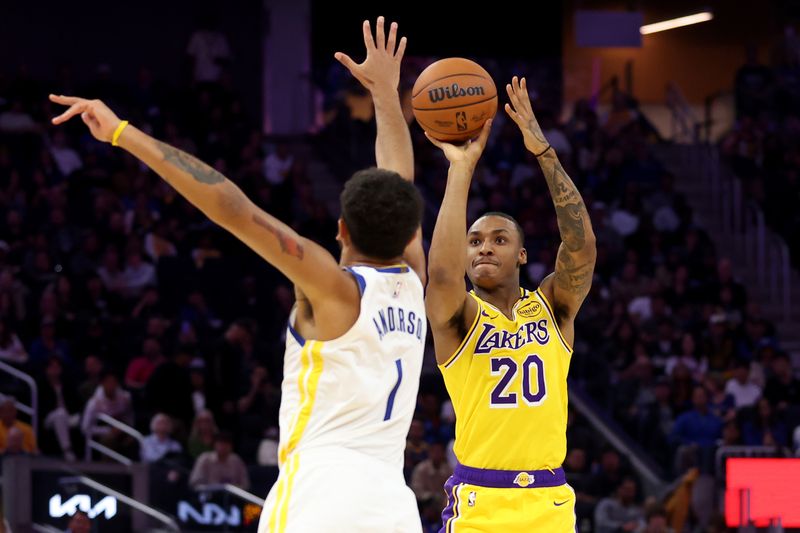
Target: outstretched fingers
x=380, y=36
x=369, y=42
x=64, y=100
x=345, y=60
x=401, y=49
x=75, y=109
x=391, y=43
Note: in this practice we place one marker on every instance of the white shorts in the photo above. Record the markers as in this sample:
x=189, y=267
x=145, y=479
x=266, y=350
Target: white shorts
x=322, y=491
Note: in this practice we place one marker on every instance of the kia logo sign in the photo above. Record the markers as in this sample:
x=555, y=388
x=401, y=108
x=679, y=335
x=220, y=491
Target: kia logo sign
x=107, y=507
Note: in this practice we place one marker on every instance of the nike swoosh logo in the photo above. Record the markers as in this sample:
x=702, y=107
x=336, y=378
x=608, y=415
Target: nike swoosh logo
x=559, y=504
x=484, y=313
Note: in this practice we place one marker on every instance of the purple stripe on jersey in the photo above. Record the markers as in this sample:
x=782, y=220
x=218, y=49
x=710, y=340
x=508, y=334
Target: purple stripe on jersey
x=509, y=479
x=449, y=511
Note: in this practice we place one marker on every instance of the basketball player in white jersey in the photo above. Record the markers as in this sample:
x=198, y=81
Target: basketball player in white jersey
x=356, y=336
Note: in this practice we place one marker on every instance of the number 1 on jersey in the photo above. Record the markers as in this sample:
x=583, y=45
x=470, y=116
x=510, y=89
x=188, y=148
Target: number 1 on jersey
x=507, y=369
x=390, y=402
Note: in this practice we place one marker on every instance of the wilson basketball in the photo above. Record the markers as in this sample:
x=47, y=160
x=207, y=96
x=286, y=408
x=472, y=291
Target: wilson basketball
x=452, y=99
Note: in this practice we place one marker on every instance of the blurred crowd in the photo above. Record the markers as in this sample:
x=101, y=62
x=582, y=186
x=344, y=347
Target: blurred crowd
x=122, y=299
x=763, y=148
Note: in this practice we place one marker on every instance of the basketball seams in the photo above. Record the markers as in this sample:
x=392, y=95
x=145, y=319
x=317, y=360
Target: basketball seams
x=481, y=76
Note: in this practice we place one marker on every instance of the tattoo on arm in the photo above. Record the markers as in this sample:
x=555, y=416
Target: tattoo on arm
x=190, y=164
x=288, y=244
x=571, y=277
x=536, y=131
x=570, y=210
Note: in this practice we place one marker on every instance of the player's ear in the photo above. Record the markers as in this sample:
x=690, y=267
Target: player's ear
x=343, y=234
x=523, y=256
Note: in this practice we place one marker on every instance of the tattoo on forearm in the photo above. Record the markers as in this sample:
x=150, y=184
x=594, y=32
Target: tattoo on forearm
x=574, y=278
x=570, y=225
x=570, y=209
x=536, y=130
x=190, y=164
x=288, y=244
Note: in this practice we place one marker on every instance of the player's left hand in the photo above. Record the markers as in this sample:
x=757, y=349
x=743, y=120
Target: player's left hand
x=521, y=113
x=381, y=69
x=95, y=114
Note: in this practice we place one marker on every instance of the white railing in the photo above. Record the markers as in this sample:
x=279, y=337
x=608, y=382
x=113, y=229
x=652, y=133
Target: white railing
x=741, y=223
x=92, y=444
x=31, y=410
x=232, y=490
x=165, y=519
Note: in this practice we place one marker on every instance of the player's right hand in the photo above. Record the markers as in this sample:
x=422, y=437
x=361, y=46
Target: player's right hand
x=95, y=114
x=467, y=153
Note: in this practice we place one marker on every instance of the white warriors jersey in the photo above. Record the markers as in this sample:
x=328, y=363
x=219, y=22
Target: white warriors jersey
x=358, y=391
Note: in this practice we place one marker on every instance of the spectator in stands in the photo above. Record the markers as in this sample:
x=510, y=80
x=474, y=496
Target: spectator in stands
x=169, y=390
x=92, y=371
x=79, y=523
x=745, y=393
x=109, y=399
x=220, y=465
x=201, y=438
x=720, y=402
x=416, y=447
x=753, y=85
x=608, y=475
x=141, y=368
x=765, y=427
x=11, y=349
x=782, y=389
x=430, y=475
x=268, y=448
x=59, y=410
x=159, y=443
x=619, y=512
x=655, y=522
x=8, y=421
x=258, y=410
x=209, y=50
x=698, y=430
x=15, y=443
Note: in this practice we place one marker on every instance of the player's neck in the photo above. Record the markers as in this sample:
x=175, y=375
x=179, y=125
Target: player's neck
x=352, y=257
x=503, y=297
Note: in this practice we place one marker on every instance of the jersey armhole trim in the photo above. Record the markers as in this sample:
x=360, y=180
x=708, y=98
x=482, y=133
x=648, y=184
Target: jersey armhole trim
x=553, y=318
x=467, y=337
x=362, y=283
x=299, y=338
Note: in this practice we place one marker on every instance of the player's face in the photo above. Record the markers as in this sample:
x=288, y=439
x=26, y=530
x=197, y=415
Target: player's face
x=494, y=252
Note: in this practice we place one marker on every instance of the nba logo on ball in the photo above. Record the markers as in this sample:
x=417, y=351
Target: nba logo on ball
x=454, y=87
x=523, y=479
x=461, y=121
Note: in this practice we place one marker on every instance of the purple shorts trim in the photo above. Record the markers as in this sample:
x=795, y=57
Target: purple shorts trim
x=509, y=479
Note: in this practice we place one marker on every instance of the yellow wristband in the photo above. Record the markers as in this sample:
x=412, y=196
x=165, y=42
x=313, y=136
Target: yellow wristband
x=118, y=132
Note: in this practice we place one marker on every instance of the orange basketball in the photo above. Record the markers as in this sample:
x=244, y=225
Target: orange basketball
x=452, y=98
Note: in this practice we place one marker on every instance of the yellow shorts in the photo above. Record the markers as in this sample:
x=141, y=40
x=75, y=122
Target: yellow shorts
x=502, y=501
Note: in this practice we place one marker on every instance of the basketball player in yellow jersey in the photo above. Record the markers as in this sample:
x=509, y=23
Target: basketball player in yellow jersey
x=505, y=351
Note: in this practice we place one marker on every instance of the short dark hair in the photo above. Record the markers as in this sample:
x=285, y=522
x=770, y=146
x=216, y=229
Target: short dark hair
x=382, y=212
x=506, y=216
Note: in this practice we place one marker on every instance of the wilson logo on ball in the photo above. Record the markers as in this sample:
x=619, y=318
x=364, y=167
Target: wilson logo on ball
x=454, y=91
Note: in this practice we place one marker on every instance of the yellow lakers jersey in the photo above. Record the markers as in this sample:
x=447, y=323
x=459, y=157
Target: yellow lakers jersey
x=508, y=384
